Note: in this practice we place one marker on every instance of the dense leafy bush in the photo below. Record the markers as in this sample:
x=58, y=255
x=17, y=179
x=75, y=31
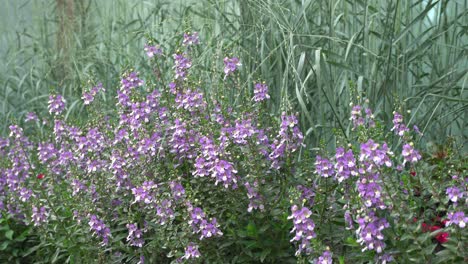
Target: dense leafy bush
x=175, y=174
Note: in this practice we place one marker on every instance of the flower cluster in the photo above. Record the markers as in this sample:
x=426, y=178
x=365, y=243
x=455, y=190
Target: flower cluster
x=303, y=227
x=99, y=228
x=398, y=126
x=56, y=104
x=230, y=65
x=191, y=39
x=135, y=236
x=370, y=232
x=201, y=225
x=181, y=64
x=151, y=50
x=39, y=215
x=261, y=92
x=88, y=97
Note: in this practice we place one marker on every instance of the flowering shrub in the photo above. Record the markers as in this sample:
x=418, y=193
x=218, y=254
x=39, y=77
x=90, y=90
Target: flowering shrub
x=174, y=175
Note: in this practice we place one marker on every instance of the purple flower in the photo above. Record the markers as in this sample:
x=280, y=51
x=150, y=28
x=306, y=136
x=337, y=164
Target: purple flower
x=323, y=167
x=181, y=64
x=31, y=116
x=410, y=154
x=261, y=92
x=370, y=192
x=99, y=228
x=325, y=258
x=223, y=171
x=230, y=65
x=190, y=39
x=164, y=212
x=209, y=229
x=356, y=116
x=56, y=104
x=304, y=228
x=88, y=97
x=345, y=165
x=135, y=236
x=191, y=251
x=349, y=220
x=376, y=154
x=129, y=82
x=177, y=190
x=454, y=194
x=242, y=131
x=25, y=194
x=370, y=232
x=201, y=225
x=457, y=218
x=152, y=50
x=191, y=101
x=398, y=126
x=39, y=216
x=255, y=199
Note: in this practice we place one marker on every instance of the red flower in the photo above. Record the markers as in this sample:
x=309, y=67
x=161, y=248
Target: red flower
x=442, y=237
x=413, y=173
x=434, y=228
x=40, y=176
x=425, y=227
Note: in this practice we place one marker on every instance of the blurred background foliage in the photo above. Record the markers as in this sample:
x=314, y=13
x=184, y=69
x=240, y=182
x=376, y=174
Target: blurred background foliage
x=317, y=56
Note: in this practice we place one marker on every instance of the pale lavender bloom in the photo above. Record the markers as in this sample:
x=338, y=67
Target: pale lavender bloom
x=181, y=64
x=370, y=192
x=31, y=116
x=349, y=220
x=164, y=212
x=177, y=190
x=457, y=218
x=255, y=199
x=129, y=82
x=191, y=251
x=345, y=165
x=56, y=104
x=323, y=167
x=373, y=152
x=370, y=232
x=261, y=92
x=410, y=154
x=303, y=227
x=356, y=116
x=152, y=50
x=39, y=216
x=209, y=229
x=25, y=194
x=78, y=187
x=325, y=258
x=190, y=39
x=191, y=101
x=223, y=171
x=384, y=259
x=454, y=194
x=46, y=152
x=242, y=131
x=88, y=97
x=398, y=126
x=135, y=236
x=230, y=65
x=99, y=228
x=141, y=195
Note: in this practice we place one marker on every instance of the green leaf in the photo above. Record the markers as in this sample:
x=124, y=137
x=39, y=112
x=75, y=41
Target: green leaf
x=4, y=245
x=9, y=234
